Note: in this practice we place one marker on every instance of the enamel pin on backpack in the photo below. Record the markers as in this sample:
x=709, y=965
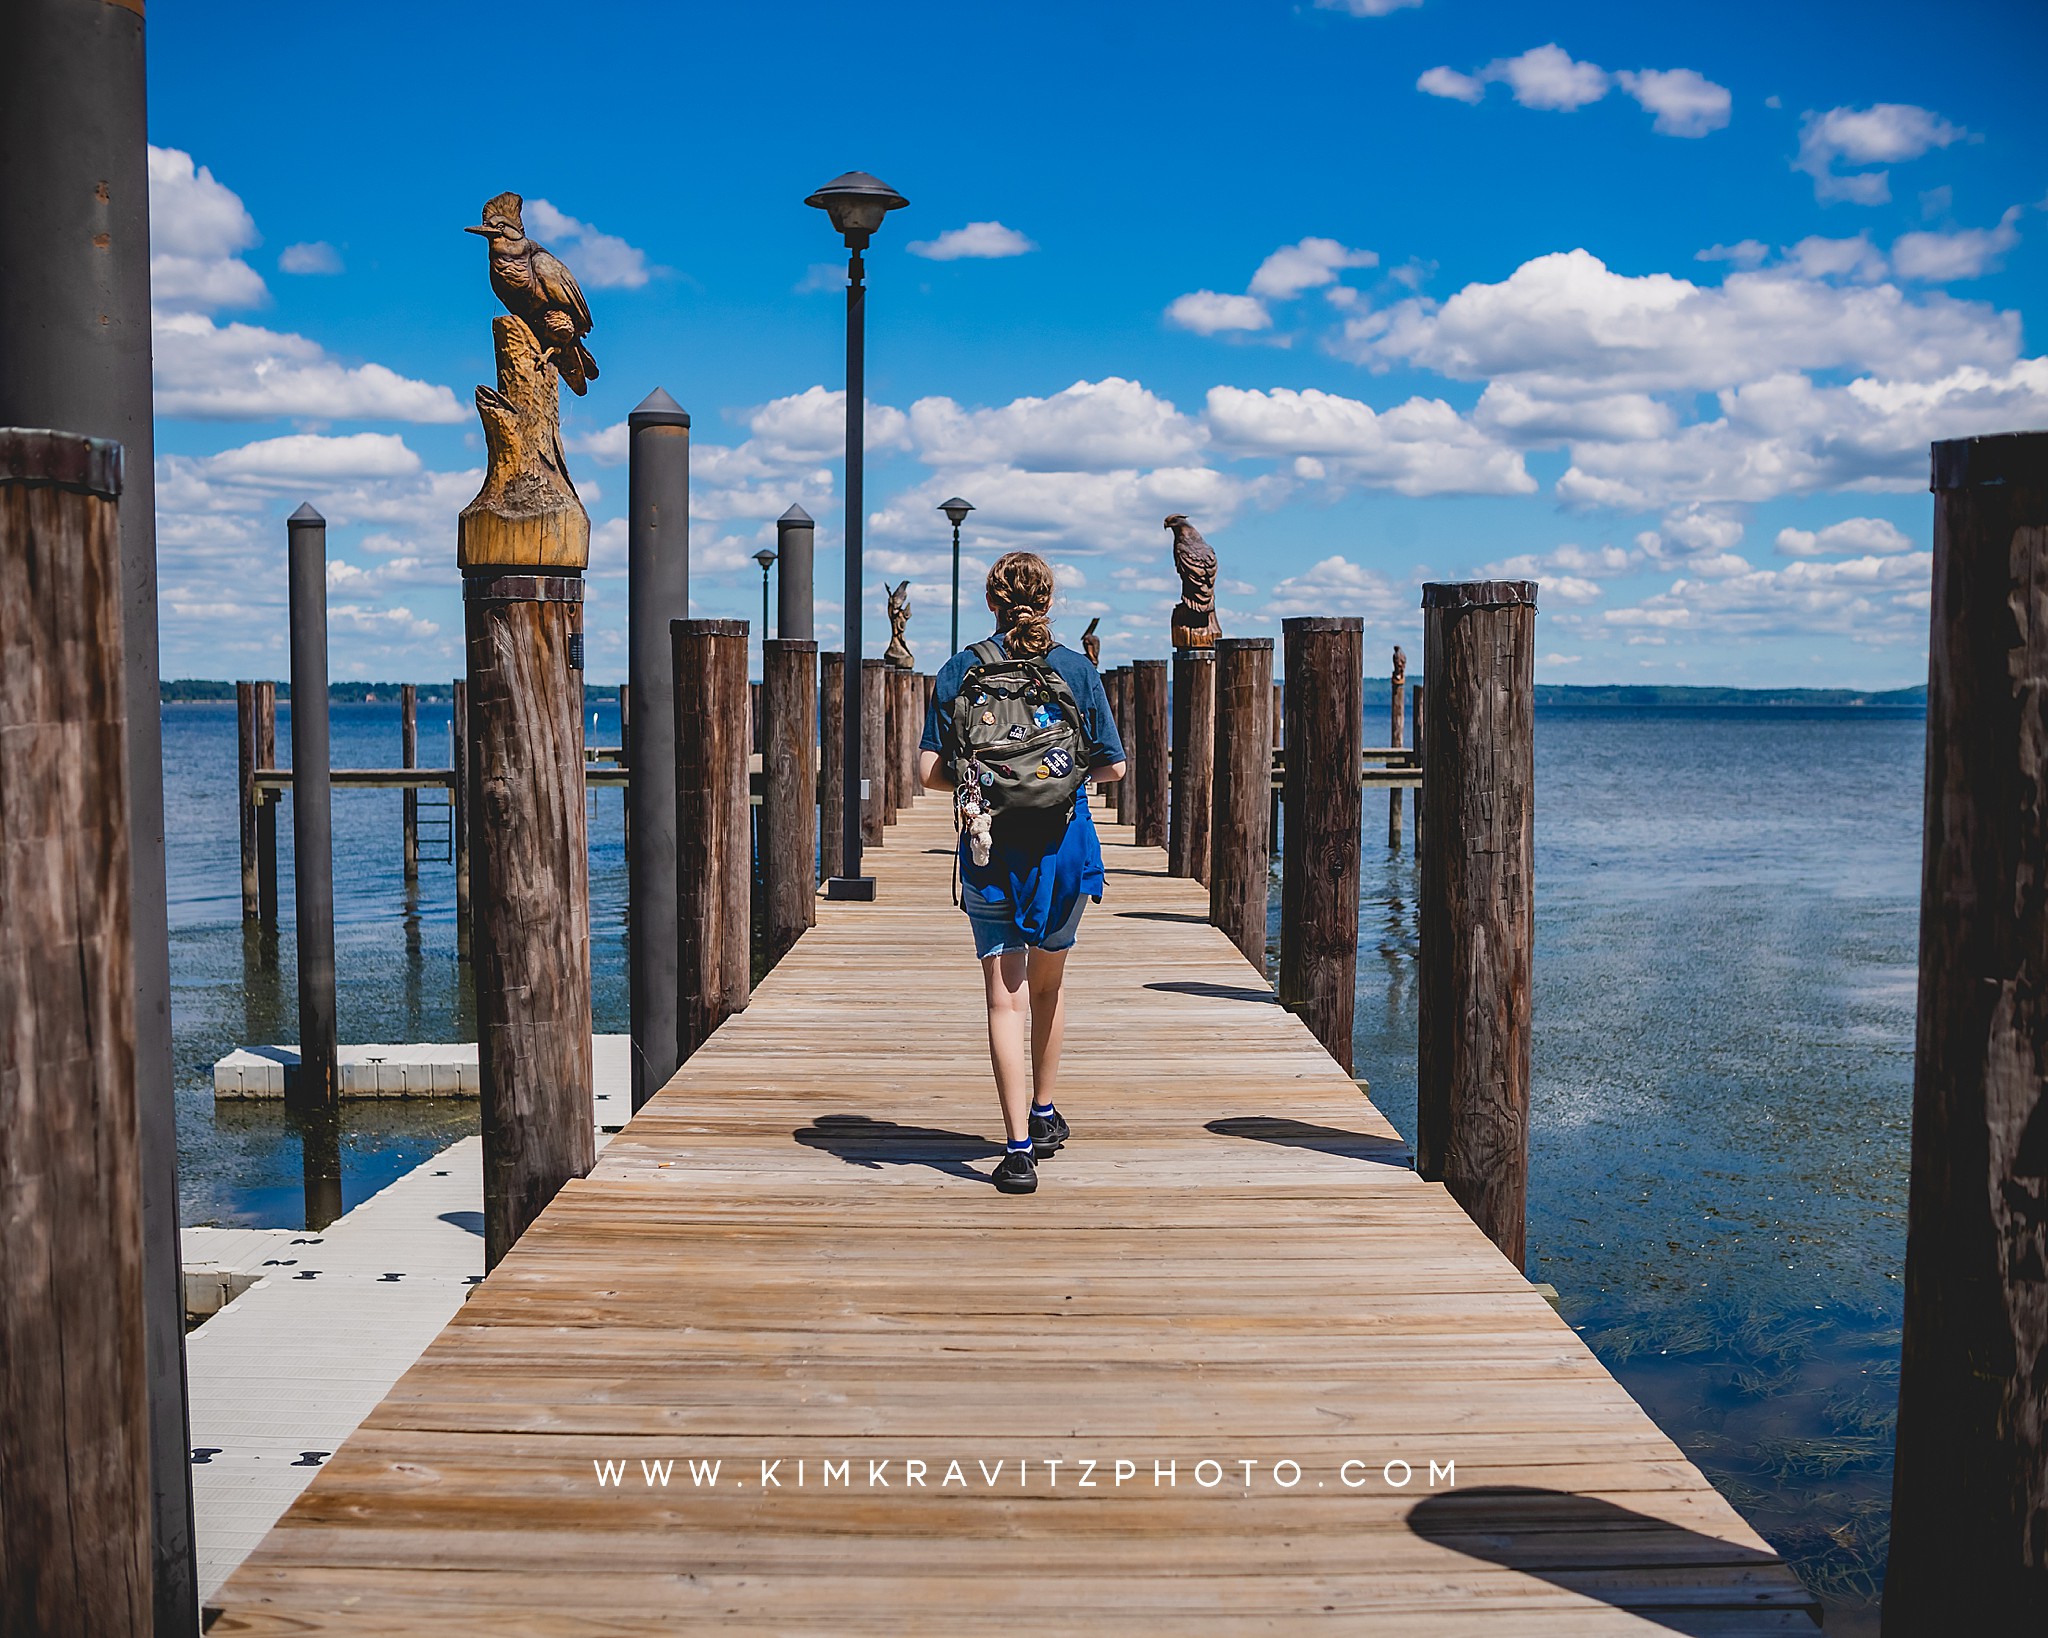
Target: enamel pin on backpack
x=1016, y=738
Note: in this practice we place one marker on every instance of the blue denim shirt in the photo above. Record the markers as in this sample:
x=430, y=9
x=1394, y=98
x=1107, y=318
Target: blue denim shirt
x=1039, y=864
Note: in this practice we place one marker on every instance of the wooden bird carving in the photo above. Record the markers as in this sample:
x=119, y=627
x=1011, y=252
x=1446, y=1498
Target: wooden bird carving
x=1194, y=616
x=535, y=286
x=898, y=652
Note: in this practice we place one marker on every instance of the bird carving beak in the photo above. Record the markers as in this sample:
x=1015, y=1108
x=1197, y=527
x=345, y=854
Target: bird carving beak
x=486, y=232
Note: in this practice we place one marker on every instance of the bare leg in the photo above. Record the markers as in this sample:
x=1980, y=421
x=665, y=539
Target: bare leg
x=1048, y=971
x=1003, y=980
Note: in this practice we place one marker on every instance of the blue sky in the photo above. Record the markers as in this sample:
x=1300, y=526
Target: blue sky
x=1660, y=307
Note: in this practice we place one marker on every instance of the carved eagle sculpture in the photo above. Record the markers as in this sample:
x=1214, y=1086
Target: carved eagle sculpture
x=1194, y=616
x=535, y=286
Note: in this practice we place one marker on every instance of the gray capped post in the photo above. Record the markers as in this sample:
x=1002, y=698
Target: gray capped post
x=795, y=541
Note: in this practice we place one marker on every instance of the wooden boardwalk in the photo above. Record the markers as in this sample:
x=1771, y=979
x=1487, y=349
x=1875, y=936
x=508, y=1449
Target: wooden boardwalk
x=792, y=1256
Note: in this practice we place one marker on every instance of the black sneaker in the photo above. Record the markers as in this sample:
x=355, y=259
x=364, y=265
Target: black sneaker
x=1048, y=1132
x=1016, y=1173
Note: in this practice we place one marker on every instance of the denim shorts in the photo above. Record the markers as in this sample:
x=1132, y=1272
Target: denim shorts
x=995, y=928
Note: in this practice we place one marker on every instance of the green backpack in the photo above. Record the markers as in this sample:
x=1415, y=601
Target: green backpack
x=1017, y=733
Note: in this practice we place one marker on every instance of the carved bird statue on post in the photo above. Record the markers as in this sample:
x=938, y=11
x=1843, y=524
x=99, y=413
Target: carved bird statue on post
x=535, y=286
x=1194, y=616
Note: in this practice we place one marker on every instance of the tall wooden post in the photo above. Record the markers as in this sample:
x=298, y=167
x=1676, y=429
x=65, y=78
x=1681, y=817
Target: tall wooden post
x=910, y=689
x=1194, y=762
x=1240, y=843
x=1969, y=1539
x=1319, y=856
x=458, y=814
x=831, y=778
x=1478, y=901
x=316, y=1083
x=1416, y=722
x=657, y=595
x=1150, y=742
x=893, y=707
x=875, y=811
x=626, y=761
x=1397, y=689
x=75, y=1476
x=246, y=798
x=409, y=757
x=1120, y=705
x=789, y=790
x=1279, y=743
x=266, y=810
x=714, y=864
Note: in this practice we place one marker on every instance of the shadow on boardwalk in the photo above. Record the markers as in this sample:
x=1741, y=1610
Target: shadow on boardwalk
x=861, y=1140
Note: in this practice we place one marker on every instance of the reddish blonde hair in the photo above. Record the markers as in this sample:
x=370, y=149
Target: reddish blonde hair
x=1020, y=591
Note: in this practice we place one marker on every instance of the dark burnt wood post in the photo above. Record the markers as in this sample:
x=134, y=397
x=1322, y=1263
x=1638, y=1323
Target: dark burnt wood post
x=789, y=790
x=1194, y=763
x=266, y=812
x=458, y=815
x=1397, y=690
x=714, y=867
x=246, y=798
x=1319, y=857
x=1415, y=722
x=831, y=780
x=1478, y=902
x=409, y=757
x=75, y=1533
x=1240, y=844
x=1969, y=1541
x=875, y=811
x=1151, y=740
x=316, y=1081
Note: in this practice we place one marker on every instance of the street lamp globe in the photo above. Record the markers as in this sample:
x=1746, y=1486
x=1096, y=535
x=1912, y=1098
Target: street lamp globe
x=857, y=202
x=766, y=558
x=956, y=509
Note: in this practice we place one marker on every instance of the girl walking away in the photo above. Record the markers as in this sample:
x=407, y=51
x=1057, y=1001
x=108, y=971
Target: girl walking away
x=1018, y=726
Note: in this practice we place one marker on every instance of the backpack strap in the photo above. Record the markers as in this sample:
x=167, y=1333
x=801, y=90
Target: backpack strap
x=987, y=652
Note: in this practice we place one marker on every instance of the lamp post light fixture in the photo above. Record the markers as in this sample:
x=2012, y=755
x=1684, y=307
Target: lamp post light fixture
x=766, y=558
x=856, y=202
x=956, y=509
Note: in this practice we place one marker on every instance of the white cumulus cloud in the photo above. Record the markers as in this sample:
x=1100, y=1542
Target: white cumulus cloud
x=1969, y=253
x=601, y=260
x=1366, y=8
x=1421, y=447
x=1686, y=103
x=1450, y=84
x=1092, y=426
x=1886, y=133
x=1869, y=537
x=1547, y=77
x=1210, y=312
x=1309, y=265
x=977, y=240
x=318, y=257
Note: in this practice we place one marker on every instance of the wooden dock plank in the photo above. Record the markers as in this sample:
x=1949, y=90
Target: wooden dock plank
x=792, y=1256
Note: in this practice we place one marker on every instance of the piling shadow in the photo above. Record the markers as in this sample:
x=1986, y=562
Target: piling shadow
x=1301, y=1134
x=1164, y=915
x=860, y=1140
x=1216, y=992
x=1591, y=1547
x=473, y=1221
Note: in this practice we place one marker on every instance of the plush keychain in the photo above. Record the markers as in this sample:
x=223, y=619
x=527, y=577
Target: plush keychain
x=975, y=819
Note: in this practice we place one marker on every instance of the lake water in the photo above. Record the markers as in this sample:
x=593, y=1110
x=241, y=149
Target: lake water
x=1724, y=987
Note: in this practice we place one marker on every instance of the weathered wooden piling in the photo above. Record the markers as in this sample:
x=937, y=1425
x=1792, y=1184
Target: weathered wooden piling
x=1325, y=736
x=895, y=792
x=266, y=812
x=530, y=910
x=1240, y=842
x=1151, y=740
x=714, y=864
x=315, y=1083
x=831, y=777
x=875, y=811
x=1477, y=919
x=1415, y=723
x=409, y=757
x=1969, y=1526
x=789, y=791
x=1194, y=763
x=657, y=595
x=1279, y=740
x=1396, y=710
x=247, y=799
x=75, y=1475
x=458, y=816
x=1120, y=705
x=908, y=726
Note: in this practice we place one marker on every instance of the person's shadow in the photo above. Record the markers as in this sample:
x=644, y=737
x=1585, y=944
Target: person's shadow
x=1625, y=1559
x=1301, y=1134
x=861, y=1140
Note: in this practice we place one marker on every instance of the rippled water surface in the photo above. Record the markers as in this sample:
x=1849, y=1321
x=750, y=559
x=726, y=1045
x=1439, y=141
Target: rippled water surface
x=1723, y=1049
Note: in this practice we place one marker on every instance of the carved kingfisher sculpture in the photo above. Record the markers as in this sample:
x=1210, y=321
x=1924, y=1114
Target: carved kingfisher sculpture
x=535, y=286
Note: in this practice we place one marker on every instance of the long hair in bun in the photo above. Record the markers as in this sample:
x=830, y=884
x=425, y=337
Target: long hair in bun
x=1020, y=592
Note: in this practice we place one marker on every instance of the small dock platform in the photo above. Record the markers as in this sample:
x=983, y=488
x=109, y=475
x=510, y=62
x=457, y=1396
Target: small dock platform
x=784, y=1362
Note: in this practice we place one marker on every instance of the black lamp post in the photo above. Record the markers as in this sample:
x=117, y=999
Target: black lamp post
x=956, y=509
x=766, y=558
x=856, y=202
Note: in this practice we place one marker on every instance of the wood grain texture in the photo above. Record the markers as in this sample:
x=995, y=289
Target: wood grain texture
x=1397, y=701
x=789, y=790
x=1477, y=911
x=793, y=1254
x=1193, y=770
x=1969, y=1546
x=875, y=812
x=1241, y=853
x=714, y=829
x=266, y=815
x=74, y=1462
x=409, y=757
x=530, y=911
x=831, y=764
x=458, y=742
x=1150, y=748
x=1325, y=703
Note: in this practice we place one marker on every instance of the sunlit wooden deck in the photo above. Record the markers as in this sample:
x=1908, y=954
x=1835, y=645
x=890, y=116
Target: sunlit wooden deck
x=792, y=1256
